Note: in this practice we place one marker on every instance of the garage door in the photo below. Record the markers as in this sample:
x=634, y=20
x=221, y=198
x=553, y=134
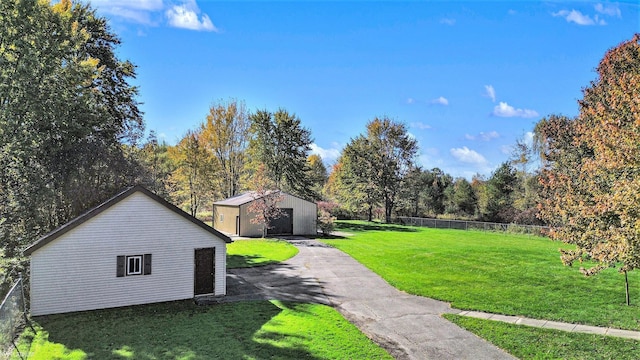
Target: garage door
x=282, y=225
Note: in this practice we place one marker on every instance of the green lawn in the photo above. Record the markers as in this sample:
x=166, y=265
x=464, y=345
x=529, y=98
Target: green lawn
x=249, y=253
x=182, y=330
x=533, y=343
x=493, y=272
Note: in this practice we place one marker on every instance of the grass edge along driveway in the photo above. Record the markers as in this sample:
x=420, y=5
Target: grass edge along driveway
x=493, y=272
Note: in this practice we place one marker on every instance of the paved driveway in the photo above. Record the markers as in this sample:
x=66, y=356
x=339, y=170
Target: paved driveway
x=408, y=326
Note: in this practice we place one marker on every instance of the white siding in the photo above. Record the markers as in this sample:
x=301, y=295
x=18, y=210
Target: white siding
x=77, y=271
x=305, y=215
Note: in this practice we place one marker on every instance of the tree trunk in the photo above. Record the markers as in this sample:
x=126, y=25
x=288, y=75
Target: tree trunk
x=626, y=288
x=370, y=213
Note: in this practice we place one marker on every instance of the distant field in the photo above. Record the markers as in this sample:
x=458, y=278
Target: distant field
x=258, y=252
x=493, y=272
x=182, y=330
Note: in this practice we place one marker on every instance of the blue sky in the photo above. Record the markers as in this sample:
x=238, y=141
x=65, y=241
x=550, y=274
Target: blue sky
x=468, y=78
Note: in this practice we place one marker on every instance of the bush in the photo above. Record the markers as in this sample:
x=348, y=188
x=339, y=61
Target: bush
x=326, y=222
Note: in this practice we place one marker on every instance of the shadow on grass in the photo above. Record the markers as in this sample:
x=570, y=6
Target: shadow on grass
x=173, y=330
x=372, y=226
x=246, y=261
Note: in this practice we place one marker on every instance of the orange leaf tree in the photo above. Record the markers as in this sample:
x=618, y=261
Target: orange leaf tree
x=591, y=177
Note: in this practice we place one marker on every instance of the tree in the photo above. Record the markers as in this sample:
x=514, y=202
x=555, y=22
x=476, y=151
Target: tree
x=461, y=199
x=225, y=134
x=499, y=190
x=66, y=111
x=279, y=141
x=437, y=183
x=412, y=197
x=157, y=165
x=317, y=174
x=195, y=175
x=379, y=161
x=356, y=187
x=526, y=191
x=265, y=201
x=592, y=186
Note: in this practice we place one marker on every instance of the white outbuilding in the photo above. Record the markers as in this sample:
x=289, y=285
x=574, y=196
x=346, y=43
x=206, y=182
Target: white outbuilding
x=232, y=216
x=135, y=248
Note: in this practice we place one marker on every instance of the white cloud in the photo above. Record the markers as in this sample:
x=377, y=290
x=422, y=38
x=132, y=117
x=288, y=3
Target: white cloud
x=440, y=101
x=579, y=18
x=608, y=9
x=505, y=110
x=419, y=125
x=483, y=136
x=466, y=155
x=329, y=156
x=448, y=21
x=134, y=11
x=490, y=92
x=185, y=16
x=411, y=101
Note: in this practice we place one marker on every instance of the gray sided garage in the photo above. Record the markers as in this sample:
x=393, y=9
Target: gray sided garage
x=232, y=216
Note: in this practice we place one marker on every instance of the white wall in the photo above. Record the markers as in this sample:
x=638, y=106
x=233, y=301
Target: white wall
x=77, y=271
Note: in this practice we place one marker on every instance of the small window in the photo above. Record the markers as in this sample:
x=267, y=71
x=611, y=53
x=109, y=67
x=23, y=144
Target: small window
x=127, y=265
x=221, y=217
x=134, y=265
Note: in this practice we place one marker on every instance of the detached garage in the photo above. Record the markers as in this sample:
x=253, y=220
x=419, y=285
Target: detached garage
x=232, y=216
x=135, y=248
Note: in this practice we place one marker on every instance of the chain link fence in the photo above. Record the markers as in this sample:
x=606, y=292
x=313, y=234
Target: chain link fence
x=13, y=318
x=474, y=225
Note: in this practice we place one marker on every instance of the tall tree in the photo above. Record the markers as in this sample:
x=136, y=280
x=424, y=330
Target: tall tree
x=357, y=190
x=157, y=165
x=437, y=183
x=592, y=191
x=195, y=176
x=500, y=188
x=66, y=108
x=282, y=144
x=461, y=199
x=226, y=135
x=317, y=174
x=381, y=159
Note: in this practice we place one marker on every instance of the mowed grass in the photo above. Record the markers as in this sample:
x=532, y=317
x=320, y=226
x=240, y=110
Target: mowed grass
x=183, y=330
x=249, y=253
x=492, y=272
x=533, y=343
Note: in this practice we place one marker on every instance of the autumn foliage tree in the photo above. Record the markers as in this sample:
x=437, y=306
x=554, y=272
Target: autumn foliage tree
x=592, y=189
x=194, y=179
x=264, y=206
x=225, y=135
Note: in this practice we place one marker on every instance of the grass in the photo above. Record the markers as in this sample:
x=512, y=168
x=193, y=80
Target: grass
x=249, y=253
x=533, y=343
x=182, y=330
x=494, y=272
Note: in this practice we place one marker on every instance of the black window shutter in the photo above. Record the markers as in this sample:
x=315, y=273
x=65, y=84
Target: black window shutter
x=147, y=264
x=120, y=271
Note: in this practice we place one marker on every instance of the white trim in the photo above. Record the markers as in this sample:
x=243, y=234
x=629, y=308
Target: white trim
x=140, y=265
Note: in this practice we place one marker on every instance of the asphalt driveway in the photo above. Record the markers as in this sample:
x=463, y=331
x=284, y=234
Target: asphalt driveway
x=408, y=326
